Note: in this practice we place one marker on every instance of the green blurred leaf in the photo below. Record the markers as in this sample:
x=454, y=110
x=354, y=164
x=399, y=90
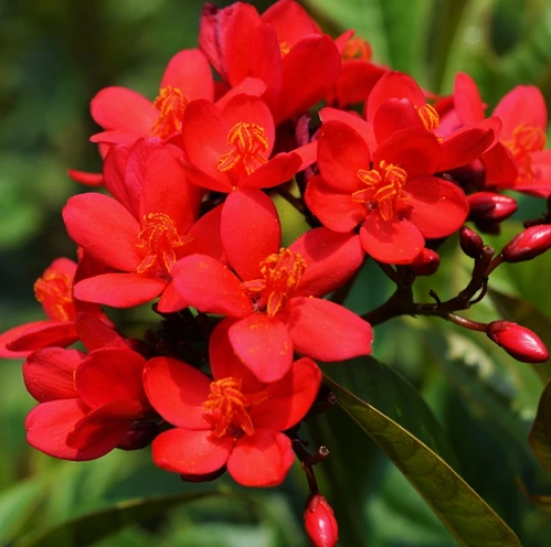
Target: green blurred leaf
x=359, y=388
x=398, y=31
x=540, y=435
x=519, y=311
x=16, y=506
x=92, y=527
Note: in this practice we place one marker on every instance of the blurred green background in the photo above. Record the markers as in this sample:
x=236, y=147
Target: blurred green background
x=54, y=56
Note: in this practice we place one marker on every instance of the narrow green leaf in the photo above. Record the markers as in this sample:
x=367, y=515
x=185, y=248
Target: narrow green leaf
x=472, y=521
x=92, y=527
x=519, y=311
x=540, y=435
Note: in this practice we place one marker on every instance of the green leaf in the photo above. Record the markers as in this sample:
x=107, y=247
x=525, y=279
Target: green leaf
x=519, y=311
x=87, y=529
x=359, y=388
x=540, y=435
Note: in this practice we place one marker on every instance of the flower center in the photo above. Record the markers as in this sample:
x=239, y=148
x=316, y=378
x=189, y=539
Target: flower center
x=384, y=189
x=526, y=139
x=171, y=104
x=54, y=291
x=160, y=237
x=281, y=274
x=250, y=143
x=356, y=48
x=429, y=116
x=227, y=408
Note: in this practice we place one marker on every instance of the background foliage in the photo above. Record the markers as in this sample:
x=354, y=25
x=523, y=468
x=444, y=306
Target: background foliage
x=479, y=403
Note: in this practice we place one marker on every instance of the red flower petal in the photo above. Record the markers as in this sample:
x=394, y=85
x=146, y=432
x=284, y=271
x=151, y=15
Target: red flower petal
x=49, y=373
x=323, y=330
x=210, y=286
x=439, y=207
x=341, y=152
x=189, y=71
x=364, y=129
x=15, y=333
x=111, y=374
x=331, y=260
x=250, y=231
x=467, y=101
x=334, y=209
x=105, y=229
x=119, y=290
x=393, y=242
x=95, y=333
x=263, y=345
x=124, y=109
x=44, y=334
x=394, y=115
x=191, y=452
x=261, y=460
x=177, y=391
x=290, y=398
x=279, y=169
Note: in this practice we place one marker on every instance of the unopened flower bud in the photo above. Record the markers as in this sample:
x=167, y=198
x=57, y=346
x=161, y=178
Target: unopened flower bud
x=471, y=243
x=320, y=523
x=518, y=341
x=426, y=263
x=528, y=244
x=487, y=206
x=139, y=436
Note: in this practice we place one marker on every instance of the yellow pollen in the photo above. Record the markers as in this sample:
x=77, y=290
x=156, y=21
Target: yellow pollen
x=526, y=139
x=284, y=48
x=429, y=116
x=160, y=237
x=281, y=275
x=227, y=408
x=171, y=104
x=250, y=144
x=384, y=189
x=54, y=291
x=356, y=48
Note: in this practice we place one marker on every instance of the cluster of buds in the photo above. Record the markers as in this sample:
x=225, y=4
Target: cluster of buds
x=188, y=223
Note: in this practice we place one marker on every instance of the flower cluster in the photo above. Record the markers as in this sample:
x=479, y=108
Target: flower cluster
x=187, y=222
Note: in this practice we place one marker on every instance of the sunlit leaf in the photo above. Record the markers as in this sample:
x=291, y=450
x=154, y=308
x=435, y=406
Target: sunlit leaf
x=461, y=509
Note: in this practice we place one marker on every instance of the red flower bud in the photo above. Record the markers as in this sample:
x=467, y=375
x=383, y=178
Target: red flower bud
x=528, y=244
x=518, y=341
x=139, y=436
x=320, y=523
x=485, y=206
x=426, y=263
x=471, y=243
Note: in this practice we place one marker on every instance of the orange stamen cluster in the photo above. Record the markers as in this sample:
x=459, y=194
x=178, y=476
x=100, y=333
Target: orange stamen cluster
x=227, y=408
x=54, y=292
x=281, y=274
x=160, y=237
x=384, y=189
x=429, y=116
x=526, y=139
x=357, y=49
x=171, y=104
x=250, y=144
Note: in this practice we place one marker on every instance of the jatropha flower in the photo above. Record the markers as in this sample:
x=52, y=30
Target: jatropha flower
x=54, y=290
x=231, y=420
x=273, y=299
x=128, y=116
x=87, y=403
x=392, y=192
x=141, y=234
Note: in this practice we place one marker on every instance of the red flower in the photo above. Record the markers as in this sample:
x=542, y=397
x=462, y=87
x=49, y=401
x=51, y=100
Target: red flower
x=143, y=233
x=232, y=420
x=231, y=147
x=394, y=194
x=283, y=47
x=273, y=294
x=54, y=291
x=127, y=116
x=87, y=403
